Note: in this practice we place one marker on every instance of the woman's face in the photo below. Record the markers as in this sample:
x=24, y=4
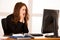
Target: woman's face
x=22, y=11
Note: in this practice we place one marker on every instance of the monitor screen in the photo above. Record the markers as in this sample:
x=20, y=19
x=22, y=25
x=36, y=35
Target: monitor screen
x=50, y=21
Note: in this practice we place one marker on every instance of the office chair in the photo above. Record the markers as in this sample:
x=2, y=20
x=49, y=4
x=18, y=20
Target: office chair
x=4, y=25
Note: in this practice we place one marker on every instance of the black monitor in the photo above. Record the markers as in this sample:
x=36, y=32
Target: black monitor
x=50, y=21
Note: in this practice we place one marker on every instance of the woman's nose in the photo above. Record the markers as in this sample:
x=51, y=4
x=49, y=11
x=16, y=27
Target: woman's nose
x=24, y=12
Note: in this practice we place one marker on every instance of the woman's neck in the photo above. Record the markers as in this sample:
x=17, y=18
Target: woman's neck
x=22, y=21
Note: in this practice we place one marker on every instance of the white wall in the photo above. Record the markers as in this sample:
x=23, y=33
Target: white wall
x=39, y=5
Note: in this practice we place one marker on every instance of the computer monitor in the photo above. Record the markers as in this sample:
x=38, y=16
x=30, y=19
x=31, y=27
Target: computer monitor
x=50, y=21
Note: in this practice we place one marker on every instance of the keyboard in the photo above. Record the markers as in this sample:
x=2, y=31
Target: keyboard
x=37, y=34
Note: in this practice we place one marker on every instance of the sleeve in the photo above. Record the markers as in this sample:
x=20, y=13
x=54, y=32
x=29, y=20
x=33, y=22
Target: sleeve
x=25, y=29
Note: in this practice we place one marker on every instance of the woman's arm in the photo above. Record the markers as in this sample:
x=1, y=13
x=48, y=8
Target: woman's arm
x=25, y=29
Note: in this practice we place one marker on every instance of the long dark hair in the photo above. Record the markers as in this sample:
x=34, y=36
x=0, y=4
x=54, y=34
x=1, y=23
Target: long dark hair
x=16, y=12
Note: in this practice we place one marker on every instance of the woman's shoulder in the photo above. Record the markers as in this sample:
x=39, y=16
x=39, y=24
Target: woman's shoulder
x=9, y=16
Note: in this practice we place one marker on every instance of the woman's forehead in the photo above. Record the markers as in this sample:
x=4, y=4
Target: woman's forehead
x=23, y=7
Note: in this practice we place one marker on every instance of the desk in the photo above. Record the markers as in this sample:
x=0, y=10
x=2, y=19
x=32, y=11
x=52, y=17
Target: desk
x=36, y=39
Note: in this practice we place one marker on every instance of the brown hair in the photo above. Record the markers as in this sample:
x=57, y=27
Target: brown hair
x=16, y=12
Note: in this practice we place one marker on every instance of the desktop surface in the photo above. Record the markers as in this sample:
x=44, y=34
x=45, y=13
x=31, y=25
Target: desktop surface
x=36, y=39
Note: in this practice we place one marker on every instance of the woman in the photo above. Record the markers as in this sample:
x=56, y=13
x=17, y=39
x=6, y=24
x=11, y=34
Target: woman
x=17, y=22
